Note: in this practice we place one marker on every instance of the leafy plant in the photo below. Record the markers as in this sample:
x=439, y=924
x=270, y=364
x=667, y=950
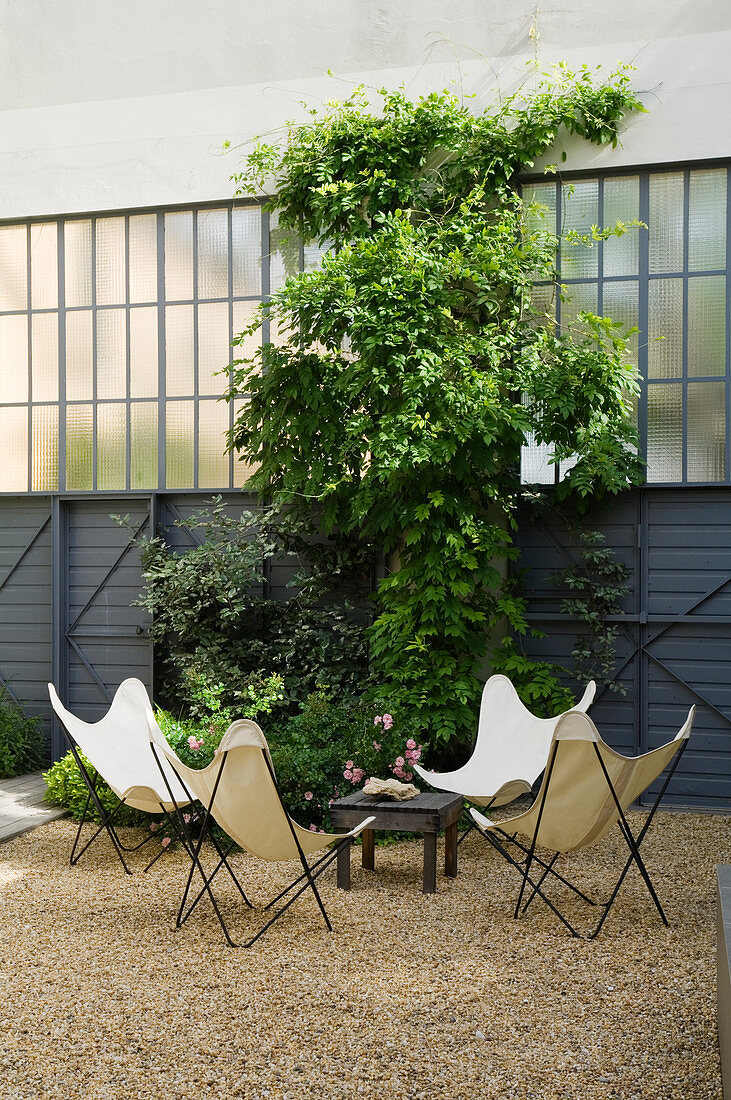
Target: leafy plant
x=22, y=745
x=413, y=365
x=67, y=787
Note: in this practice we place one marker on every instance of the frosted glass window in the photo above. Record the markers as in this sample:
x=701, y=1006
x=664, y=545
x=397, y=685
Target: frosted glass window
x=44, y=265
x=143, y=258
x=246, y=250
x=212, y=459
x=284, y=253
x=622, y=204
x=77, y=263
x=79, y=357
x=111, y=446
x=535, y=468
x=665, y=432
x=143, y=445
x=143, y=352
x=212, y=253
x=179, y=256
x=179, y=351
x=79, y=446
x=620, y=302
x=110, y=264
x=13, y=359
x=666, y=222
x=213, y=347
x=706, y=417
x=543, y=298
x=579, y=296
x=313, y=255
x=665, y=329
x=13, y=267
x=13, y=450
x=111, y=353
x=179, y=445
x=242, y=470
x=45, y=448
x=243, y=315
x=707, y=219
x=44, y=356
x=707, y=325
x=580, y=211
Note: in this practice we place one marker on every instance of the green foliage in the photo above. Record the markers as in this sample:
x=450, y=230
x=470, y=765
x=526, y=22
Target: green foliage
x=22, y=747
x=66, y=787
x=217, y=637
x=415, y=364
x=598, y=580
x=537, y=682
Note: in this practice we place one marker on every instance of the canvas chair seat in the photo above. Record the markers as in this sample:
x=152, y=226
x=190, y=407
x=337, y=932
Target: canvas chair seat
x=239, y=791
x=585, y=792
x=118, y=748
x=511, y=749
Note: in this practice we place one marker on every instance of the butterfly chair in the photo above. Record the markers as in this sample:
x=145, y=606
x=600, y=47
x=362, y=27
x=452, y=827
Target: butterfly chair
x=510, y=752
x=118, y=748
x=585, y=792
x=239, y=791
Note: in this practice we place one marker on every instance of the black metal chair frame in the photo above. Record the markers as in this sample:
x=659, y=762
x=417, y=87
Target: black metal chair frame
x=106, y=818
x=633, y=843
x=310, y=872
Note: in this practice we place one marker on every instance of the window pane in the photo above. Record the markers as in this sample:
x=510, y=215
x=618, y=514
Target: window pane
x=143, y=352
x=620, y=302
x=44, y=265
x=707, y=219
x=13, y=359
x=110, y=266
x=77, y=263
x=665, y=329
x=666, y=222
x=79, y=448
x=246, y=257
x=707, y=325
x=544, y=300
x=179, y=445
x=534, y=463
x=13, y=268
x=79, y=357
x=243, y=315
x=143, y=258
x=706, y=431
x=143, y=445
x=45, y=447
x=213, y=346
x=179, y=256
x=313, y=254
x=14, y=450
x=44, y=351
x=542, y=220
x=111, y=364
x=580, y=211
x=665, y=432
x=622, y=204
x=212, y=253
x=284, y=253
x=212, y=461
x=111, y=439
x=582, y=296
x=179, y=352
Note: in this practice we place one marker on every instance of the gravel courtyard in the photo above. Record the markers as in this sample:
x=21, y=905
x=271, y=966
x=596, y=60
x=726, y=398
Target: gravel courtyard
x=430, y=996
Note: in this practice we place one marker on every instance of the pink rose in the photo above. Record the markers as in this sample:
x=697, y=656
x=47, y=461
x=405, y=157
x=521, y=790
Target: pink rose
x=186, y=818
x=399, y=771
x=165, y=841
x=377, y=720
x=400, y=761
x=308, y=795
x=409, y=775
x=348, y=763
x=347, y=774
x=411, y=744
x=154, y=827
x=313, y=828
x=387, y=721
x=416, y=754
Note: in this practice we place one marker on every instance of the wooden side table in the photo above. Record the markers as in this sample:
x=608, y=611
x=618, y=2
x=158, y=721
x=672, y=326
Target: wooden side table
x=427, y=814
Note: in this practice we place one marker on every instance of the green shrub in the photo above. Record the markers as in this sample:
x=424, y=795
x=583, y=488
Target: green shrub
x=66, y=787
x=22, y=746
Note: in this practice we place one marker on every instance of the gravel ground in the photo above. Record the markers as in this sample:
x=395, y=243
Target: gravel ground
x=411, y=995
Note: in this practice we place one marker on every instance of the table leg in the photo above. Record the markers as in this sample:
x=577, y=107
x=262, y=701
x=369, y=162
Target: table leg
x=450, y=850
x=430, y=863
x=344, y=866
x=368, y=857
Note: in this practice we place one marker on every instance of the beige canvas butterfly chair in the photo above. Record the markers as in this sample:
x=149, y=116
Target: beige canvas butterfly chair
x=118, y=748
x=239, y=791
x=510, y=752
x=586, y=789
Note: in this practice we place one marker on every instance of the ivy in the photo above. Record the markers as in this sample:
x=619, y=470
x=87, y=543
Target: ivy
x=412, y=366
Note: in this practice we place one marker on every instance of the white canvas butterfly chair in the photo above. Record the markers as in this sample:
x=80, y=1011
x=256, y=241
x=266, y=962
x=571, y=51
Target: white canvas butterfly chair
x=586, y=789
x=510, y=752
x=239, y=791
x=118, y=748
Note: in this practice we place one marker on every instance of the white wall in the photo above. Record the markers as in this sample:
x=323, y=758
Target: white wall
x=106, y=106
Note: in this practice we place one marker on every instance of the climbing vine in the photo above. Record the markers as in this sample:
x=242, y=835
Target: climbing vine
x=411, y=367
